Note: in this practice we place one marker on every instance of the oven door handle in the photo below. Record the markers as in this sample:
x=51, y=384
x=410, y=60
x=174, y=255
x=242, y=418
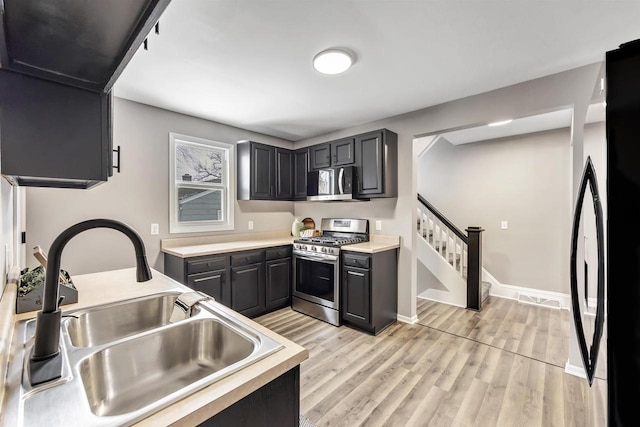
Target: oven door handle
x=325, y=258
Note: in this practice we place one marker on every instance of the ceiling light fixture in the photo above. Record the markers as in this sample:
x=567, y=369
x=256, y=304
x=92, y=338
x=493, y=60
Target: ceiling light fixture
x=332, y=61
x=503, y=122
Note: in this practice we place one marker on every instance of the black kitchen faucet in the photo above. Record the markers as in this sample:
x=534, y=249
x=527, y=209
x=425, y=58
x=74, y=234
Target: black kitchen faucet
x=45, y=362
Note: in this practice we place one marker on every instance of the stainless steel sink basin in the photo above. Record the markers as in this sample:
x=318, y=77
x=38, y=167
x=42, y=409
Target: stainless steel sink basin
x=109, y=322
x=166, y=362
x=125, y=361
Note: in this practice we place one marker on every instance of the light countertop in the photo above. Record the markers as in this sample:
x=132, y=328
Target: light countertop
x=211, y=245
x=377, y=243
x=100, y=288
x=199, y=246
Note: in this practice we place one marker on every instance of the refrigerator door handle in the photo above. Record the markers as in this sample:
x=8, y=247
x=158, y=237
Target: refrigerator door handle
x=589, y=356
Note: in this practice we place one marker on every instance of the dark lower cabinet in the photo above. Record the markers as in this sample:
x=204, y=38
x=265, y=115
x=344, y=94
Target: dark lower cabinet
x=212, y=283
x=278, y=283
x=356, y=298
x=247, y=289
x=276, y=404
x=369, y=290
x=250, y=282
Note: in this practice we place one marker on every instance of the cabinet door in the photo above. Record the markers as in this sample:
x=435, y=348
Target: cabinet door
x=262, y=171
x=247, y=289
x=278, y=283
x=284, y=174
x=211, y=283
x=370, y=155
x=356, y=291
x=320, y=156
x=343, y=152
x=300, y=174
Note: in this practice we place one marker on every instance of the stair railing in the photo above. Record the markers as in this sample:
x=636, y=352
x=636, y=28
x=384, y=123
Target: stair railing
x=463, y=251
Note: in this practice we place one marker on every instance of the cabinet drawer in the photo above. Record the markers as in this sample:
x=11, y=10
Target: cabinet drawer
x=354, y=260
x=279, y=252
x=206, y=264
x=246, y=258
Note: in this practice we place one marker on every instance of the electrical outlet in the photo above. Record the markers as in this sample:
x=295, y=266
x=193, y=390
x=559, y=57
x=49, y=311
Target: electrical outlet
x=504, y=225
x=250, y=225
x=378, y=225
x=155, y=229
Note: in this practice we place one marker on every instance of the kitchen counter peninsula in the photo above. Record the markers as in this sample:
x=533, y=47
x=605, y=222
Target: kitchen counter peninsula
x=216, y=401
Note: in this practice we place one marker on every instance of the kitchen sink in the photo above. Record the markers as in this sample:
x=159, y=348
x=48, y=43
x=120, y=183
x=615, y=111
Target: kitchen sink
x=106, y=323
x=123, y=361
x=169, y=360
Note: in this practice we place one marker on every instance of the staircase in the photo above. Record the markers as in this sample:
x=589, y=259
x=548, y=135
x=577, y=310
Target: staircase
x=444, y=250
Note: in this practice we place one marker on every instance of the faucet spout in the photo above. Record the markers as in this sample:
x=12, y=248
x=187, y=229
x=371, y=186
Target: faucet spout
x=45, y=363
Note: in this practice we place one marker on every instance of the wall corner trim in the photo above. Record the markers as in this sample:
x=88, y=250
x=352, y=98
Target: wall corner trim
x=406, y=319
x=577, y=371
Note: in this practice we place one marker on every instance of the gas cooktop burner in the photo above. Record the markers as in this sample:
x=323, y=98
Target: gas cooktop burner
x=331, y=241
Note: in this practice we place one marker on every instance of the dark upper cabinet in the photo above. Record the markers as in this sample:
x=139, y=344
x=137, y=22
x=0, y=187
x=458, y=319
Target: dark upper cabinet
x=301, y=167
x=320, y=156
x=53, y=135
x=256, y=171
x=85, y=44
x=266, y=172
x=377, y=164
x=332, y=154
x=343, y=152
x=284, y=173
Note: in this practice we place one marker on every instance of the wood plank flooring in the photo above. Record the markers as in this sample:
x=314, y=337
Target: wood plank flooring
x=418, y=375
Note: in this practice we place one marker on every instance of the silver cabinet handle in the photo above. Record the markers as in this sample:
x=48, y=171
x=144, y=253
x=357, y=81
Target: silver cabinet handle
x=202, y=279
x=340, y=179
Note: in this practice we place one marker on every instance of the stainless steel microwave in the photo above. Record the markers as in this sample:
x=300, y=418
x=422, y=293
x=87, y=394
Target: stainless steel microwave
x=333, y=184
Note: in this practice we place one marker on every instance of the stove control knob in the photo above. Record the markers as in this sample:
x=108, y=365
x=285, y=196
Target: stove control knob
x=324, y=249
x=313, y=248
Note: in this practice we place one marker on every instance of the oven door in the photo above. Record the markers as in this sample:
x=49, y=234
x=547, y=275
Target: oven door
x=316, y=278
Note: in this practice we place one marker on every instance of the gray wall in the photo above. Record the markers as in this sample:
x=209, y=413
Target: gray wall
x=139, y=195
x=399, y=215
x=524, y=180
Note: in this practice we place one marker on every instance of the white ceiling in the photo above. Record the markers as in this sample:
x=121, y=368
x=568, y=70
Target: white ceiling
x=247, y=63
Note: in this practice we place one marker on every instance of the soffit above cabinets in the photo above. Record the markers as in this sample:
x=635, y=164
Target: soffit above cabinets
x=81, y=43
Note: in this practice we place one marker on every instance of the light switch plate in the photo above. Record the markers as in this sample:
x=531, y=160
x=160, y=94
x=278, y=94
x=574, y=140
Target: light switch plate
x=250, y=225
x=155, y=229
x=378, y=225
x=504, y=225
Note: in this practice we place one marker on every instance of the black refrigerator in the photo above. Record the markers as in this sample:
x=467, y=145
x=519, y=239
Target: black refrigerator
x=623, y=248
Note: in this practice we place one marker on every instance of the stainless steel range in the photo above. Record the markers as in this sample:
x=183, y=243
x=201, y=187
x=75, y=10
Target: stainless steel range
x=316, y=267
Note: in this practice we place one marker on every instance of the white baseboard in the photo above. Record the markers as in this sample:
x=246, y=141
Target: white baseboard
x=439, y=296
x=577, y=371
x=406, y=319
x=503, y=290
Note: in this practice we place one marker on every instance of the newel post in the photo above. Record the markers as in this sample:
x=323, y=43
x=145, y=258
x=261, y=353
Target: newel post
x=474, y=268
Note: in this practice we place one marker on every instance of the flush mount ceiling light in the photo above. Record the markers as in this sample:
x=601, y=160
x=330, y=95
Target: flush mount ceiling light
x=332, y=61
x=500, y=123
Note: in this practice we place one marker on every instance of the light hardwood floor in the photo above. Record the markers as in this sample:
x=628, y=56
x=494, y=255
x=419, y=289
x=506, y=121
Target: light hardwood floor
x=418, y=375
